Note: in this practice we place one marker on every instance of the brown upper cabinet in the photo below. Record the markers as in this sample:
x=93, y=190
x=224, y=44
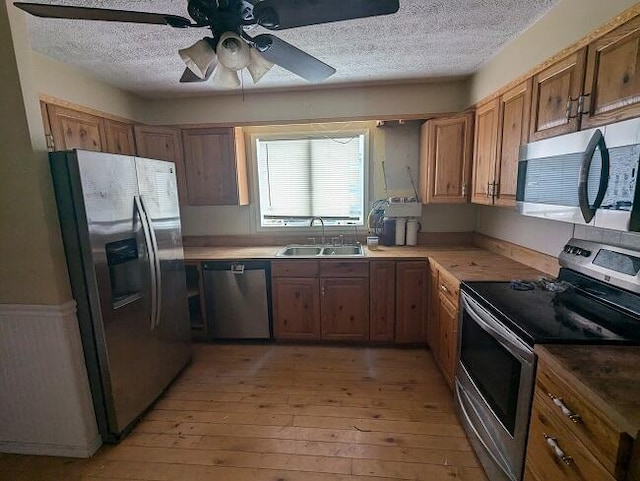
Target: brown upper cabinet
x=163, y=143
x=556, y=93
x=513, y=130
x=445, y=159
x=119, y=137
x=502, y=125
x=596, y=85
x=215, y=166
x=612, y=84
x=71, y=129
x=484, y=152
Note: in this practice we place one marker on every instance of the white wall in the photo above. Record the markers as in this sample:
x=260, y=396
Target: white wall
x=312, y=105
x=542, y=235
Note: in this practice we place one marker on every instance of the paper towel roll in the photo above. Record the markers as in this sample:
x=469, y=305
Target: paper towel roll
x=412, y=232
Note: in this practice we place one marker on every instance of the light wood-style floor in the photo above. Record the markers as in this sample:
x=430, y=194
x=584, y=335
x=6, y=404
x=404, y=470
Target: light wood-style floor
x=285, y=413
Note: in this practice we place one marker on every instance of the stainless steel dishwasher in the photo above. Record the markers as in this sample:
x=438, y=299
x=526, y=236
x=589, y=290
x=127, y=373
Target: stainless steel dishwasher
x=238, y=299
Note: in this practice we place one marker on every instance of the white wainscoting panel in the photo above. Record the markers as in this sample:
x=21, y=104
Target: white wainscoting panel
x=45, y=400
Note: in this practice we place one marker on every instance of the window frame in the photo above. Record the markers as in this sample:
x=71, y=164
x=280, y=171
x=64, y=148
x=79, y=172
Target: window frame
x=295, y=134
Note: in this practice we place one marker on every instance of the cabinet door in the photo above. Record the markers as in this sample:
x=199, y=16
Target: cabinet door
x=513, y=131
x=296, y=308
x=612, y=85
x=119, y=138
x=484, y=153
x=210, y=166
x=448, y=317
x=382, y=289
x=344, y=309
x=445, y=160
x=75, y=130
x=163, y=143
x=555, y=95
x=411, y=301
x=433, y=324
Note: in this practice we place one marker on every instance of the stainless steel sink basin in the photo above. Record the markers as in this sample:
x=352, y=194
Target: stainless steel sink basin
x=353, y=251
x=321, y=251
x=300, y=251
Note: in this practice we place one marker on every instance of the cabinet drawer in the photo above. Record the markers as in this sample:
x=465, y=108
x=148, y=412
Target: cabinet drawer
x=448, y=286
x=300, y=268
x=610, y=445
x=344, y=269
x=549, y=441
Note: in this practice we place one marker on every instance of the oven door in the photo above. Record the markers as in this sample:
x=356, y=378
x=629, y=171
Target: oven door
x=494, y=387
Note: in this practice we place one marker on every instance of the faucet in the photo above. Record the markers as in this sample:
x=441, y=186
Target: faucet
x=321, y=222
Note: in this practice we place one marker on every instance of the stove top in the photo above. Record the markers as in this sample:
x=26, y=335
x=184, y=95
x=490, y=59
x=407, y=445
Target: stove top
x=586, y=312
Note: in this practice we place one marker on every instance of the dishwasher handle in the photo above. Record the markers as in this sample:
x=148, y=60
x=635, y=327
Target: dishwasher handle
x=236, y=266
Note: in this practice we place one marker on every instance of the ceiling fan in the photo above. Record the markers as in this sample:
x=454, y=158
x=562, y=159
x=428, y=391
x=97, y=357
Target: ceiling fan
x=230, y=48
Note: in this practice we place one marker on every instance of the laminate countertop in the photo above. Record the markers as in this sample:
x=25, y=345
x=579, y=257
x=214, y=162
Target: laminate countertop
x=464, y=263
x=608, y=376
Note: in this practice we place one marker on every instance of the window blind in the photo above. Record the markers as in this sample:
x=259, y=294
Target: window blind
x=319, y=176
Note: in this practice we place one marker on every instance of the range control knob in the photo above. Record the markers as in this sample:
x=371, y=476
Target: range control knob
x=585, y=253
x=567, y=248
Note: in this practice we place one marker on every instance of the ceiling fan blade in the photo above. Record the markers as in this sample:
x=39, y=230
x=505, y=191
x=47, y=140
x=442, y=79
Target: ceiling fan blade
x=189, y=77
x=105, y=15
x=281, y=14
x=292, y=59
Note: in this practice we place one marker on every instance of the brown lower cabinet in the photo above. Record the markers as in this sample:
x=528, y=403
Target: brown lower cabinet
x=350, y=300
x=442, y=325
x=344, y=308
x=296, y=300
x=411, y=301
x=382, y=292
x=573, y=435
x=296, y=308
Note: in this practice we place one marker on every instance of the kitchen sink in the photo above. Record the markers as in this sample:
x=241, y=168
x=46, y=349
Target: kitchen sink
x=300, y=251
x=320, y=251
x=343, y=251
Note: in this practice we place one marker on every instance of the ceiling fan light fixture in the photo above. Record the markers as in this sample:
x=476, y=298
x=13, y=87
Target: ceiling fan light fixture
x=233, y=51
x=225, y=77
x=258, y=65
x=199, y=57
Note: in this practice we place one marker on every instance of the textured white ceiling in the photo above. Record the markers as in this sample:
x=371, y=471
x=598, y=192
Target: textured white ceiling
x=426, y=39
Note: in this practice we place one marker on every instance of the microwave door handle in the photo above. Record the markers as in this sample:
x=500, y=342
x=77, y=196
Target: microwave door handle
x=156, y=256
x=151, y=257
x=596, y=142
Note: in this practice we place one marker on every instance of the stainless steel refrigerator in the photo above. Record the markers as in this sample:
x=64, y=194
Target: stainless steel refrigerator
x=120, y=223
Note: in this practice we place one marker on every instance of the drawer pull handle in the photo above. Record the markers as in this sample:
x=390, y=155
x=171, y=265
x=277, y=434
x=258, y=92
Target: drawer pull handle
x=444, y=288
x=553, y=442
x=565, y=410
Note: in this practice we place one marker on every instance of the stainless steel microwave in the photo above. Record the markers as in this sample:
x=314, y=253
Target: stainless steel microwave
x=588, y=177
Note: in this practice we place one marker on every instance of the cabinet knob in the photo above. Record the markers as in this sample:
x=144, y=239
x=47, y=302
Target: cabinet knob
x=553, y=443
x=443, y=288
x=558, y=401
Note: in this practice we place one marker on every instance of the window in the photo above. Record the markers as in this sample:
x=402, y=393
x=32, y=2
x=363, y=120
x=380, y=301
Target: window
x=317, y=176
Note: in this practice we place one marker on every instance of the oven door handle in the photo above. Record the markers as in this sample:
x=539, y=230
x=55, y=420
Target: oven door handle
x=462, y=395
x=509, y=340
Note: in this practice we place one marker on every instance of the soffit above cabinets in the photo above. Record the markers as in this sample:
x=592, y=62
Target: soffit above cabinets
x=425, y=40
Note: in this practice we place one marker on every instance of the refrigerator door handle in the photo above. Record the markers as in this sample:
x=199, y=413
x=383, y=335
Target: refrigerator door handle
x=156, y=256
x=152, y=259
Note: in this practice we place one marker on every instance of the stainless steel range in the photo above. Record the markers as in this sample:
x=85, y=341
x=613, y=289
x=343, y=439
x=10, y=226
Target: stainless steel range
x=596, y=300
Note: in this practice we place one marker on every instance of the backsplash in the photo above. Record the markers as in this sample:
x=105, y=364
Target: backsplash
x=546, y=236
x=606, y=236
